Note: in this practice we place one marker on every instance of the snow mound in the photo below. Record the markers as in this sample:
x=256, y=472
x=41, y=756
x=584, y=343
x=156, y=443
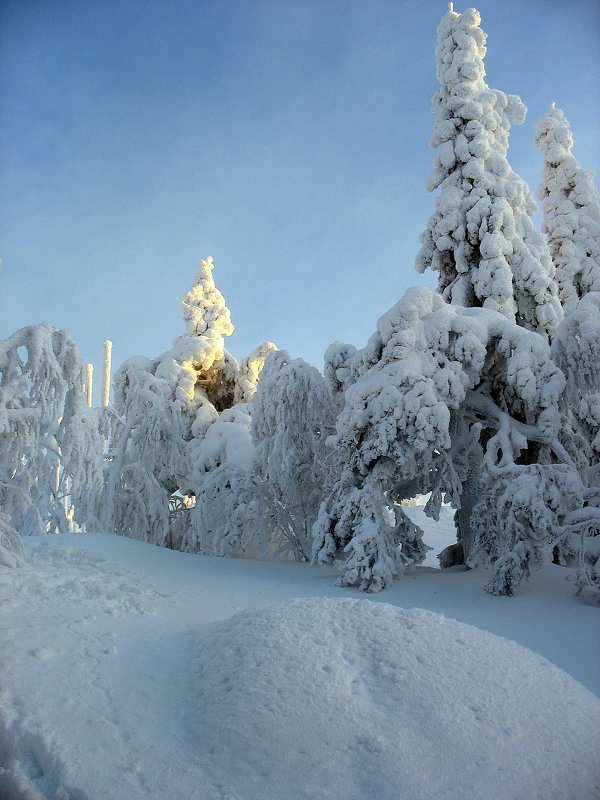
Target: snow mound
x=351, y=698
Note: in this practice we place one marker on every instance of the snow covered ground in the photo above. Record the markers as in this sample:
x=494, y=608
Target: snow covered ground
x=130, y=671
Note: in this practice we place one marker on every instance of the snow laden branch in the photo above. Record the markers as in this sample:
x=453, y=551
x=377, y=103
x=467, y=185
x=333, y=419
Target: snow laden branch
x=512, y=436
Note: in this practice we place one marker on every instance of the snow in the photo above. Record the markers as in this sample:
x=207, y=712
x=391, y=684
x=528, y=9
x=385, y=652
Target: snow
x=131, y=671
x=350, y=698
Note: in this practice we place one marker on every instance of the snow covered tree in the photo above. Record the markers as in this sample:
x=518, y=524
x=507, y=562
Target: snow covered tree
x=198, y=366
x=149, y=458
x=445, y=397
x=481, y=240
x=576, y=350
x=458, y=393
x=572, y=224
x=229, y=517
x=292, y=416
x=165, y=404
x=571, y=211
x=50, y=447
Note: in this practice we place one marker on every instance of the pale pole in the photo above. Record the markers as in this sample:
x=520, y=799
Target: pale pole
x=106, y=374
x=90, y=377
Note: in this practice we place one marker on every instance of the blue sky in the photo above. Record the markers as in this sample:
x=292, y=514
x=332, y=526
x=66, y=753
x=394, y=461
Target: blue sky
x=289, y=140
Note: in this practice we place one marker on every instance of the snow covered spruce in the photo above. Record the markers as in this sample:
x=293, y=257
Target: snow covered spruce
x=571, y=211
x=174, y=400
x=481, y=239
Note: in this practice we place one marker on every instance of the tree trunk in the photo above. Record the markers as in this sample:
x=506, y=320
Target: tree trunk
x=469, y=496
x=463, y=523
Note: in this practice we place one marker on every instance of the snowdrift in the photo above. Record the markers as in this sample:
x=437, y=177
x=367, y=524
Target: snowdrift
x=351, y=698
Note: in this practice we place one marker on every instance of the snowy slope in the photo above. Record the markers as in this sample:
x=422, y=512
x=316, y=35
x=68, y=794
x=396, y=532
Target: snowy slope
x=117, y=659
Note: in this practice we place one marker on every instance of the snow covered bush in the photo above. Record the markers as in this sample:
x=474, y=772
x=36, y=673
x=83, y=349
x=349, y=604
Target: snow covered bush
x=519, y=515
x=439, y=391
x=229, y=517
x=481, y=240
x=571, y=211
x=11, y=546
x=292, y=416
x=141, y=505
x=50, y=446
x=582, y=538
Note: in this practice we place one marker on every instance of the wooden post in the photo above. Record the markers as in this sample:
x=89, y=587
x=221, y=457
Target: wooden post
x=106, y=373
x=90, y=378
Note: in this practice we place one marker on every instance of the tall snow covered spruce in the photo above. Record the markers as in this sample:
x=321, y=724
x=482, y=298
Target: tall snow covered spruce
x=572, y=224
x=172, y=400
x=481, y=239
x=168, y=407
x=571, y=211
